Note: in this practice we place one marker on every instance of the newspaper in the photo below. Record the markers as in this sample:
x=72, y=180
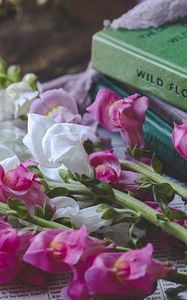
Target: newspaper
x=16, y=290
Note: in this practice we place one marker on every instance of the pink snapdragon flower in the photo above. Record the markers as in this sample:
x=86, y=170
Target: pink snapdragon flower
x=131, y=275
x=22, y=184
x=56, y=251
x=108, y=169
x=121, y=115
x=179, y=138
x=12, y=247
x=57, y=104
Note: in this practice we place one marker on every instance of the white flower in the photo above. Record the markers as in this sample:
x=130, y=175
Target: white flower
x=11, y=137
x=65, y=207
x=19, y=97
x=8, y=159
x=90, y=216
x=57, y=146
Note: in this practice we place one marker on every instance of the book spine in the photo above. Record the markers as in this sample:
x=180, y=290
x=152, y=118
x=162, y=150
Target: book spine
x=165, y=111
x=157, y=136
x=139, y=71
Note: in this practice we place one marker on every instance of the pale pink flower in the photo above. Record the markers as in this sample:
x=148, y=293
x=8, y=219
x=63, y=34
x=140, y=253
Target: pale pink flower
x=57, y=104
x=121, y=115
x=179, y=138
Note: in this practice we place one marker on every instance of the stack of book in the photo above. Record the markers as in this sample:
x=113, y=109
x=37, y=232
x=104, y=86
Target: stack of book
x=152, y=62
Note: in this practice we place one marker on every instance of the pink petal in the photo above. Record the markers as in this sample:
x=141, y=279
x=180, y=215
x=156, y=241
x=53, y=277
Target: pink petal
x=100, y=108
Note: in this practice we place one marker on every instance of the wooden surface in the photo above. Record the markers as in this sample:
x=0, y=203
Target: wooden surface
x=51, y=41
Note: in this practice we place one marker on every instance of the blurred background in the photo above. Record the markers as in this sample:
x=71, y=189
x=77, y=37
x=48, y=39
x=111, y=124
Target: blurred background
x=53, y=37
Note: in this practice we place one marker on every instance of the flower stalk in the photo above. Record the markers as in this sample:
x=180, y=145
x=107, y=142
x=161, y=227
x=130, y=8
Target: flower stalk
x=144, y=170
x=5, y=210
x=134, y=204
x=150, y=215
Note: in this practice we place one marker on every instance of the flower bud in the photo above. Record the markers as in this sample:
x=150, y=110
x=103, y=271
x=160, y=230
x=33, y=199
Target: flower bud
x=31, y=80
x=14, y=73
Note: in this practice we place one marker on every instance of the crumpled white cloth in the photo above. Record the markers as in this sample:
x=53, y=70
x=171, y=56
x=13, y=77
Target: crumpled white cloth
x=147, y=13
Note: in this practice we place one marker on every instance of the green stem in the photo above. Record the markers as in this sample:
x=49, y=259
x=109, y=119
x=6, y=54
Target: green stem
x=45, y=223
x=142, y=169
x=4, y=209
x=74, y=188
x=122, y=249
x=150, y=215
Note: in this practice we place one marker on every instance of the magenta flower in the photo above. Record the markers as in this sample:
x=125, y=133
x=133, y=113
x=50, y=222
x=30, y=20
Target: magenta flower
x=131, y=275
x=106, y=164
x=123, y=115
x=55, y=251
x=12, y=247
x=108, y=169
x=179, y=138
x=57, y=104
x=22, y=184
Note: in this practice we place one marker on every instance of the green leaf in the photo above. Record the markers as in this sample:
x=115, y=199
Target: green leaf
x=48, y=211
x=156, y=164
x=165, y=189
x=129, y=150
x=103, y=189
x=59, y=191
x=166, y=210
x=38, y=211
x=66, y=175
x=136, y=152
x=20, y=207
x=162, y=218
x=107, y=211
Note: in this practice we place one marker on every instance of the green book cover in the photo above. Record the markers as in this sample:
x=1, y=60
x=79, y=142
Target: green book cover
x=157, y=133
x=152, y=60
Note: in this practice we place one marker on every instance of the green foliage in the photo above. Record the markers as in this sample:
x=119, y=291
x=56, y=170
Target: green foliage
x=8, y=75
x=20, y=207
x=58, y=191
x=48, y=211
x=156, y=164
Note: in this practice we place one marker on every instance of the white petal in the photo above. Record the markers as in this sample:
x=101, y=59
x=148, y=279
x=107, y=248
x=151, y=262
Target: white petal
x=11, y=137
x=57, y=146
x=91, y=218
x=8, y=159
x=65, y=207
x=37, y=127
x=7, y=107
x=21, y=96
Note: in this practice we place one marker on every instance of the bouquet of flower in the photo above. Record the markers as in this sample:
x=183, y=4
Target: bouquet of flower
x=63, y=187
